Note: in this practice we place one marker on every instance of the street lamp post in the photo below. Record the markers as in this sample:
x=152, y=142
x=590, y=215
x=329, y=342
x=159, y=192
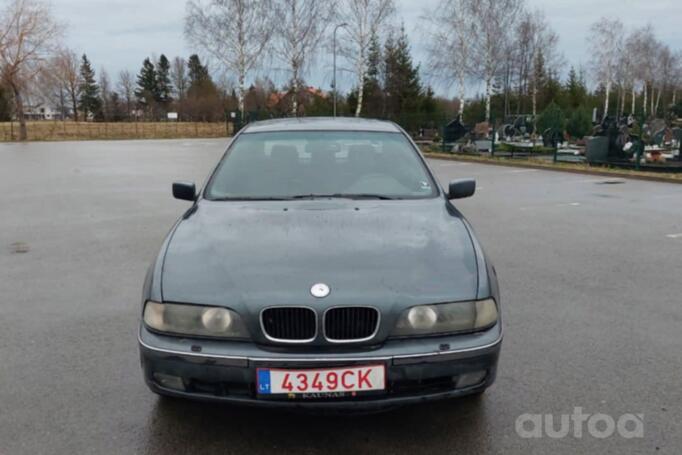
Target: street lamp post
x=334, y=52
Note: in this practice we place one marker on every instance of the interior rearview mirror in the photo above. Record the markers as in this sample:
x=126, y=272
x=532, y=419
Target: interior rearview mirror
x=460, y=189
x=185, y=191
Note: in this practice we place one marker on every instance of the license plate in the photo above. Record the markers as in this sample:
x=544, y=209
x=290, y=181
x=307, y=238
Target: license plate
x=321, y=382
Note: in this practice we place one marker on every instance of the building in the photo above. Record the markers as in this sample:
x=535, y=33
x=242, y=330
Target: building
x=43, y=111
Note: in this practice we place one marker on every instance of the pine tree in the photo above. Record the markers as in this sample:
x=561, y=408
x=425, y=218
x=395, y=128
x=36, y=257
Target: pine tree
x=389, y=65
x=579, y=124
x=163, y=83
x=204, y=100
x=89, y=101
x=373, y=94
x=198, y=73
x=402, y=84
x=576, y=90
x=147, y=91
x=428, y=105
x=552, y=92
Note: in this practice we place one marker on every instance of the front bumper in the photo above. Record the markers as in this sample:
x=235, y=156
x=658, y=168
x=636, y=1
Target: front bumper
x=417, y=370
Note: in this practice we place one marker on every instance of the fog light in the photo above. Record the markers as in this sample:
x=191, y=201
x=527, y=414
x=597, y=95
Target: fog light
x=471, y=379
x=169, y=381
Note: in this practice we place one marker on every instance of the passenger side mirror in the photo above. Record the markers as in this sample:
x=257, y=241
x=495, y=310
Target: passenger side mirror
x=185, y=191
x=460, y=189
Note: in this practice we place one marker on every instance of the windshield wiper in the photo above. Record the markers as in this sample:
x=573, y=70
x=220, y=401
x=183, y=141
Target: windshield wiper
x=307, y=196
x=343, y=196
x=265, y=198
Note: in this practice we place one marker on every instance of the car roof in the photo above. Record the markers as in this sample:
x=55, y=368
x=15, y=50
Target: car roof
x=322, y=124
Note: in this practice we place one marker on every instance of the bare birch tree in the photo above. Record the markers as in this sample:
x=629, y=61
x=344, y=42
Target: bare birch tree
x=523, y=60
x=47, y=88
x=493, y=24
x=235, y=32
x=300, y=26
x=623, y=79
x=653, y=69
x=105, y=91
x=606, y=41
x=28, y=35
x=179, y=77
x=676, y=79
x=642, y=45
x=448, y=44
x=634, y=59
x=665, y=69
x=65, y=68
x=628, y=70
x=541, y=41
x=126, y=86
x=364, y=19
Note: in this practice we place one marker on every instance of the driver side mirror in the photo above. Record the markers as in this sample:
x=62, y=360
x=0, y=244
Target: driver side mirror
x=185, y=191
x=460, y=189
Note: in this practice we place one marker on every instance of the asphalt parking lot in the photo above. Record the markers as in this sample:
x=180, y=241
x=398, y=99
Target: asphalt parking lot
x=590, y=270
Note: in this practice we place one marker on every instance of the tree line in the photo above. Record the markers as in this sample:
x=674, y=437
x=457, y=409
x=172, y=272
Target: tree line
x=161, y=86
x=502, y=45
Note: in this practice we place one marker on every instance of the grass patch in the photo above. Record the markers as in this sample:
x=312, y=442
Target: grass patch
x=79, y=131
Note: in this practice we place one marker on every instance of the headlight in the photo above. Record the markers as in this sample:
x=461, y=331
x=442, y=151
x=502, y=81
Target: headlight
x=194, y=320
x=447, y=318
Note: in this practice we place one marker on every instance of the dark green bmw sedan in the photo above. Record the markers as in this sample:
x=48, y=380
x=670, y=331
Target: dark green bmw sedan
x=321, y=265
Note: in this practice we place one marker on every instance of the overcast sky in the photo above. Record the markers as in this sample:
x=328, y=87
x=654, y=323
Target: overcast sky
x=119, y=34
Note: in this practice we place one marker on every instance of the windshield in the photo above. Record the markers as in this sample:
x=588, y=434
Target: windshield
x=306, y=164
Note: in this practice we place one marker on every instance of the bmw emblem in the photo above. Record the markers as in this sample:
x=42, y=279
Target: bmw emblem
x=320, y=290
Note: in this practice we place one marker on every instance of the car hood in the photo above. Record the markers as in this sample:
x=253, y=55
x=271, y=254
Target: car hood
x=251, y=255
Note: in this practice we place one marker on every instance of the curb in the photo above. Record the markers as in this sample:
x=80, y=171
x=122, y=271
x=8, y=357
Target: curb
x=587, y=171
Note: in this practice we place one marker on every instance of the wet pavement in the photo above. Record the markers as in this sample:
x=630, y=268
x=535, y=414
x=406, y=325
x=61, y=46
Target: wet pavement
x=591, y=276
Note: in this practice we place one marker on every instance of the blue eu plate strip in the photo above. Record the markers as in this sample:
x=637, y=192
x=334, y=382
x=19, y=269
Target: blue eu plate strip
x=264, y=381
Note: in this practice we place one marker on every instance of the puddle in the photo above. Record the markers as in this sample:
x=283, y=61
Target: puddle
x=19, y=248
x=610, y=182
x=608, y=196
